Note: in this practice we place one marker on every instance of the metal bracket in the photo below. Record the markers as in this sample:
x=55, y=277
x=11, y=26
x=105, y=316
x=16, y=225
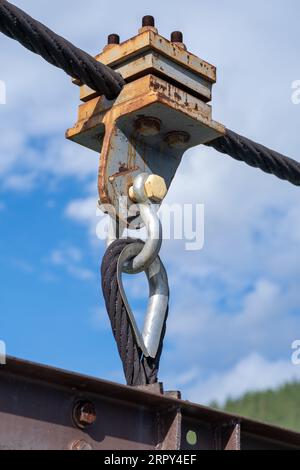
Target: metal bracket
x=161, y=112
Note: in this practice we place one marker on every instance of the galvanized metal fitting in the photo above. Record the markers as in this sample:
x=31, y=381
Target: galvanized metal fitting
x=149, y=340
x=143, y=186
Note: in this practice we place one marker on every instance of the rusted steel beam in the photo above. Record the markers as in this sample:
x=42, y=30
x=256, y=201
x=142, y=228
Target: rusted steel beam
x=45, y=408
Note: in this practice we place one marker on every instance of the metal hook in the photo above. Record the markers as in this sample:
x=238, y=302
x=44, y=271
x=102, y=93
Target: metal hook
x=149, y=340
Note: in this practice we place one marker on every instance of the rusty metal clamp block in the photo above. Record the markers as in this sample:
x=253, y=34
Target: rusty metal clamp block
x=161, y=112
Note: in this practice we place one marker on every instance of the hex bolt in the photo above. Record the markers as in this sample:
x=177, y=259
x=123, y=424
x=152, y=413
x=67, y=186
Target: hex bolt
x=147, y=126
x=177, y=36
x=148, y=20
x=155, y=189
x=148, y=24
x=177, y=139
x=113, y=39
x=84, y=414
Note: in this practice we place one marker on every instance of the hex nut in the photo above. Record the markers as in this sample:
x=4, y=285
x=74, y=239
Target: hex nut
x=155, y=188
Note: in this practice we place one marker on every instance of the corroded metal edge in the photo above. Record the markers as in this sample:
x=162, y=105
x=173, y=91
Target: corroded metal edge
x=146, y=399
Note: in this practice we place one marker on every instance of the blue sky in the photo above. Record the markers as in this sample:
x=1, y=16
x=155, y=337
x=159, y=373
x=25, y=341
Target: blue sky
x=235, y=307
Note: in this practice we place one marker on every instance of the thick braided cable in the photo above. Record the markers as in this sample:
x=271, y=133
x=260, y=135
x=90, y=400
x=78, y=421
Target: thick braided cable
x=56, y=50
x=138, y=369
x=256, y=155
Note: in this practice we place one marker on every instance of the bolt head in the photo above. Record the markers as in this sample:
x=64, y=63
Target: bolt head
x=148, y=126
x=177, y=36
x=148, y=24
x=156, y=188
x=113, y=39
x=177, y=139
x=148, y=20
x=84, y=414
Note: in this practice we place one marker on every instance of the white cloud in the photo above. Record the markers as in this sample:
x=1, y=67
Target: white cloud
x=253, y=373
x=61, y=257
x=82, y=210
x=70, y=258
x=239, y=295
x=202, y=329
x=82, y=274
x=23, y=265
x=19, y=182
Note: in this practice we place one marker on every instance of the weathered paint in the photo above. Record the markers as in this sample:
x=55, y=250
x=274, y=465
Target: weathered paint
x=37, y=405
x=165, y=84
x=156, y=64
x=150, y=40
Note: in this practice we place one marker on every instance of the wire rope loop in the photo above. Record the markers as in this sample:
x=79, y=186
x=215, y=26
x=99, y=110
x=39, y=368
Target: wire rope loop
x=150, y=338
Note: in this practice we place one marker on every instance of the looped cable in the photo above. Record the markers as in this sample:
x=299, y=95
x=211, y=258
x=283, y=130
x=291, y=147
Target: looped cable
x=139, y=369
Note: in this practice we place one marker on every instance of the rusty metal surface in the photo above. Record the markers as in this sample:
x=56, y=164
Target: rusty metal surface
x=228, y=436
x=161, y=66
x=112, y=130
x=170, y=425
x=149, y=40
x=167, y=86
x=37, y=402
